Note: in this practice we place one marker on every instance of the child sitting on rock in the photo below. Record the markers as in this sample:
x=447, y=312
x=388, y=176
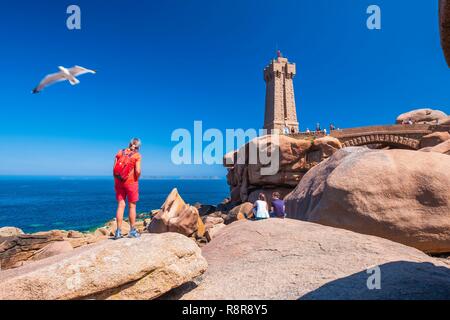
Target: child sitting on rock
x=278, y=207
x=261, y=208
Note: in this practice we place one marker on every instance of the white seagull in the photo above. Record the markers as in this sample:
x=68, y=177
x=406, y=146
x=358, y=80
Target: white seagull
x=62, y=75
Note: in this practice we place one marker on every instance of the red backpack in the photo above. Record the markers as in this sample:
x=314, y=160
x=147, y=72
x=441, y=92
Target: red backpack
x=124, y=165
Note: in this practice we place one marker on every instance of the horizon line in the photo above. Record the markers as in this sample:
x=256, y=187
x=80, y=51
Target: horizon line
x=149, y=177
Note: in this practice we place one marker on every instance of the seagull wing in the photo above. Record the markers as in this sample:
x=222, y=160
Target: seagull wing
x=77, y=70
x=48, y=80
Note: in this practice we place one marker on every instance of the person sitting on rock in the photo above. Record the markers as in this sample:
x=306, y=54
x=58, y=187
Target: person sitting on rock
x=126, y=171
x=261, y=208
x=278, y=207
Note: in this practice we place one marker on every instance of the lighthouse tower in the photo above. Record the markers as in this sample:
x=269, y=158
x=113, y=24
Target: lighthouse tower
x=280, y=110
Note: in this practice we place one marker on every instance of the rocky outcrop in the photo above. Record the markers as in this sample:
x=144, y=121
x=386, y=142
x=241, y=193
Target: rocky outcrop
x=290, y=259
x=10, y=232
x=325, y=146
x=445, y=121
x=15, y=251
x=240, y=212
x=433, y=139
x=123, y=269
x=444, y=26
x=52, y=249
x=426, y=116
x=76, y=238
x=214, y=230
x=443, y=147
x=400, y=195
x=213, y=224
x=295, y=158
x=177, y=216
x=88, y=238
x=205, y=209
x=211, y=221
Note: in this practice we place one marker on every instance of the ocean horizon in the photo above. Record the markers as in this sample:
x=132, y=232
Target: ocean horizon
x=83, y=203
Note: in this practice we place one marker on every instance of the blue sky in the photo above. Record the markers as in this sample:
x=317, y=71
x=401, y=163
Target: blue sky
x=164, y=64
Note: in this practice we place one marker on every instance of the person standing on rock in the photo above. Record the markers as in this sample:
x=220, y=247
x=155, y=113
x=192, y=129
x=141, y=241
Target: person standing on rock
x=261, y=208
x=126, y=171
x=332, y=128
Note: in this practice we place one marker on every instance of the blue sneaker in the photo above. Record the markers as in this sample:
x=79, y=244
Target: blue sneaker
x=118, y=234
x=133, y=233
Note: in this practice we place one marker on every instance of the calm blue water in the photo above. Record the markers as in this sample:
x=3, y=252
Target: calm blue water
x=38, y=204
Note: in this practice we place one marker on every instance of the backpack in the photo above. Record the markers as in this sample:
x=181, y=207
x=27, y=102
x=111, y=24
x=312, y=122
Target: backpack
x=124, y=165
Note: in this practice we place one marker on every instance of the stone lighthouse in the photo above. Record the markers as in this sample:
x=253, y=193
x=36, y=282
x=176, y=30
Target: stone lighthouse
x=280, y=111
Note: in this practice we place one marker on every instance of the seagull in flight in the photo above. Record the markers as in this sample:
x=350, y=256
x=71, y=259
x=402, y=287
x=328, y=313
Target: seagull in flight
x=63, y=74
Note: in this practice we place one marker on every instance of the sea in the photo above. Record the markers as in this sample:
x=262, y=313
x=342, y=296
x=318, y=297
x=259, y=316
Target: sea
x=36, y=204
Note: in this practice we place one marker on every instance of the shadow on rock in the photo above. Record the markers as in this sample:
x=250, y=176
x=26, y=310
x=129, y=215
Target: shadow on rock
x=400, y=280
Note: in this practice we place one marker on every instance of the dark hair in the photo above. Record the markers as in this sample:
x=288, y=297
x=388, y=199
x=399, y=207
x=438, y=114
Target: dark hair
x=262, y=196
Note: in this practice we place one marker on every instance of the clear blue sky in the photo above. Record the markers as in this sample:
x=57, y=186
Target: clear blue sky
x=163, y=64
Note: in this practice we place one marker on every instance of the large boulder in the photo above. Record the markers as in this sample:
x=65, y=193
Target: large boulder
x=177, y=216
x=427, y=116
x=123, y=269
x=400, y=195
x=240, y=212
x=326, y=145
x=10, y=232
x=291, y=159
x=290, y=259
x=295, y=157
x=433, y=139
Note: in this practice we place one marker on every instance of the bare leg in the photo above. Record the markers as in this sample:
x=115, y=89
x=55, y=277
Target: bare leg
x=132, y=214
x=119, y=213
